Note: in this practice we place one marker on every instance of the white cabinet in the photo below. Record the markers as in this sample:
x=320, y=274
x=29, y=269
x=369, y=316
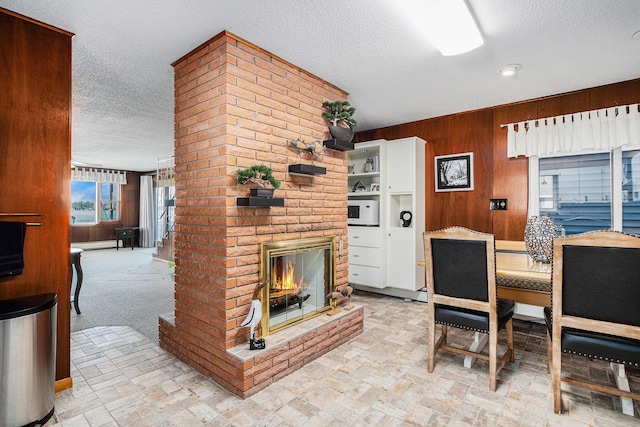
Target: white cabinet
x=401, y=165
x=401, y=252
x=405, y=198
x=365, y=256
x=387, y=256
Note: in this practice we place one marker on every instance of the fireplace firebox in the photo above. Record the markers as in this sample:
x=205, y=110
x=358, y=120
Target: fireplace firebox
x=300, y=275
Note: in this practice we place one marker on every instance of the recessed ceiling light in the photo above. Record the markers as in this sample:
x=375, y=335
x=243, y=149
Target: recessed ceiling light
x=509, y=70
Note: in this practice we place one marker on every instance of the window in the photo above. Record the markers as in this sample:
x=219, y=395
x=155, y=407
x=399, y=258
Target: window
x=576, y=191
x=109, y=201
x=86, y=196
x=582, y=192
x=631, y=191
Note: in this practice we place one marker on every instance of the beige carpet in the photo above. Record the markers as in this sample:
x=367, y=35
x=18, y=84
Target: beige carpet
x=124, y=288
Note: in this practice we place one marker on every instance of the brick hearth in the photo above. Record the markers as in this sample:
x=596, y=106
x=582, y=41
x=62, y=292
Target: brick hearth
x=238, y=105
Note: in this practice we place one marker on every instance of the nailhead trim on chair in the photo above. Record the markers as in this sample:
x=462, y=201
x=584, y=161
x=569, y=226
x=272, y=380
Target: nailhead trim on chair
x=622, y=362
x=484, y=331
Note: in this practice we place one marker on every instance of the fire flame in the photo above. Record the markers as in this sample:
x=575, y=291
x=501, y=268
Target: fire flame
x=286, y=281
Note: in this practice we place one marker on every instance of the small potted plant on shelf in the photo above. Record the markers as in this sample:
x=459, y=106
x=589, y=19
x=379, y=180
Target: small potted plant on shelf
x=261, y=177
x=339, y=114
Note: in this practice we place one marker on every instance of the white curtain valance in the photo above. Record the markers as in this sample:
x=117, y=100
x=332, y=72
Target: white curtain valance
x=99, y=175
x=603, y=129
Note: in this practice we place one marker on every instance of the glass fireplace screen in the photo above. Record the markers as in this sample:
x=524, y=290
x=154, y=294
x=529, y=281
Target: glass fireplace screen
x=301, y=273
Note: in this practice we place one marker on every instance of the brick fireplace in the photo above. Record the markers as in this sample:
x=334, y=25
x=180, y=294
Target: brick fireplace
x=238, y=105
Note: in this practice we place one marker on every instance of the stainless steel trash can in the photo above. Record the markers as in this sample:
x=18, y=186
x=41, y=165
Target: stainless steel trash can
x=27, y=360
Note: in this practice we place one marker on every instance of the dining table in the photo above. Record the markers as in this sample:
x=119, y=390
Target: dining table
x=522, y=280
x=518, y=277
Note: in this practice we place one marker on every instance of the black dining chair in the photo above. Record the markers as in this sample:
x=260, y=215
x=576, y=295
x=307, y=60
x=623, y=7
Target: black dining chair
x=461, y=292
x=595, y=308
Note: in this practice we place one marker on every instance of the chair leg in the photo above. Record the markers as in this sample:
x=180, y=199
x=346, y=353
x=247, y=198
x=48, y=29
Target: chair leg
x=556, y=371
x=431, y=341
x=509, y=329
x=548, y=353
x=493, y=357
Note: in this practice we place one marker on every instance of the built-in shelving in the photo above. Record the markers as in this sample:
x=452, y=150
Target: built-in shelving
x=366, y=252
x=363, y=193
x=392, y=173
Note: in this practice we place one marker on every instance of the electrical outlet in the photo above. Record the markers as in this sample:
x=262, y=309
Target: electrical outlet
x=498, y=204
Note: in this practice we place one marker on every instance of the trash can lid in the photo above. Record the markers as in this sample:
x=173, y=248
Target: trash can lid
x=24, y=306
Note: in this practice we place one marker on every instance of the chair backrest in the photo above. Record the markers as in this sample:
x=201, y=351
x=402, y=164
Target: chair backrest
x=460, y=263
x=596, y=275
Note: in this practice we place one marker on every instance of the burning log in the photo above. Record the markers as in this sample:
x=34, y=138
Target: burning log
x=286, y=298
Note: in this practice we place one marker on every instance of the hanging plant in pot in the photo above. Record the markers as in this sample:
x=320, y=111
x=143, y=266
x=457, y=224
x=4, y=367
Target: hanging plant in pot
x=339, y=114
x=260, y=177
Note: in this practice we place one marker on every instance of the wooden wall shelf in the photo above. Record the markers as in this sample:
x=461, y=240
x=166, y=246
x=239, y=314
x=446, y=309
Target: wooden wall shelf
x=338, y=144
x=308, y=170
x=259, y=201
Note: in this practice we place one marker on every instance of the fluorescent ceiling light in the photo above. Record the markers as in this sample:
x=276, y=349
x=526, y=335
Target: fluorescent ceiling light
x=447, y=23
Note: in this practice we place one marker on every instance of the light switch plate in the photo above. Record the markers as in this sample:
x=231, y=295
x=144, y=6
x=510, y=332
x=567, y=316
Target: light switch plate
x=498, y=204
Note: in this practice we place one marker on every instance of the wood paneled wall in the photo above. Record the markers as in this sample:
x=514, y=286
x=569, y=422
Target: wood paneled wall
x=495, y=175
x=35, y=160
x=129, y=215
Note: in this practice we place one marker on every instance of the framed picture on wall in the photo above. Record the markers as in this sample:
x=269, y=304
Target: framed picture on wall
x=454, y=172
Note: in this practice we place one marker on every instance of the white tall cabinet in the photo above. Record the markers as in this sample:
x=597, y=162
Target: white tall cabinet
x=404, y=194
x=397, y=246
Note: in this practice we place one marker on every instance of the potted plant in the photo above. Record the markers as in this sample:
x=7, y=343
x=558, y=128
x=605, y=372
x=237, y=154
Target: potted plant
x=339, y=114
x=261, y=177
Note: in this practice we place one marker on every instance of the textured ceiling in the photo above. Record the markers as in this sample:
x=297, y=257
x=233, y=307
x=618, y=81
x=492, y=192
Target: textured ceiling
x=122, y=51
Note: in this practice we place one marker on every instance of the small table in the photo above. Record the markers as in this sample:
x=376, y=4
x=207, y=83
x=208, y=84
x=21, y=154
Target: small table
x=74, y=259
x=124, y=234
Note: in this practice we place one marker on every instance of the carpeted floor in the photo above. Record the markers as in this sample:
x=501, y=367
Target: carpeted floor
x=124, y=288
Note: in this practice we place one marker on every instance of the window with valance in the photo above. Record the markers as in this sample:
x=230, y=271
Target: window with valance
x=584, y=168
x=95, y=195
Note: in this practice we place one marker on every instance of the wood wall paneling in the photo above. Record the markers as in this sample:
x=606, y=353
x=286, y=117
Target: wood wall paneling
x=510, y=178
x=35, y=156
x=496, y=176
x=623, y=93
x=562, y=104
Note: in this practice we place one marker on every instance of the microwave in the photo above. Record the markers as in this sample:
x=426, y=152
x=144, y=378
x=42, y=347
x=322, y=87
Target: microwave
x=363, y=212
